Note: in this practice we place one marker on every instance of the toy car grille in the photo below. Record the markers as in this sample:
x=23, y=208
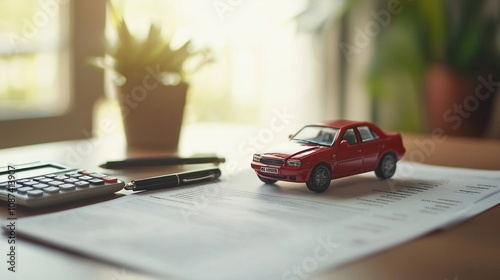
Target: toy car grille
x=269, y=161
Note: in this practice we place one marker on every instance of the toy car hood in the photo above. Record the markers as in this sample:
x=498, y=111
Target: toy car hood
x=290, y=149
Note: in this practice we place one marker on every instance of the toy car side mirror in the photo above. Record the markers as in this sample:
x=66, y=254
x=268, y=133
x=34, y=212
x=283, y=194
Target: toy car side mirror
x=344, y=144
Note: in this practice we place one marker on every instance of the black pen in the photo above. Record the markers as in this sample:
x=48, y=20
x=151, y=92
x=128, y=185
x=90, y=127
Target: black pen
x=174, y=180
x=159, y=161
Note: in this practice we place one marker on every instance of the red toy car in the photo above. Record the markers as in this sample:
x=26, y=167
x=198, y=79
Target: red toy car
x=322, y=152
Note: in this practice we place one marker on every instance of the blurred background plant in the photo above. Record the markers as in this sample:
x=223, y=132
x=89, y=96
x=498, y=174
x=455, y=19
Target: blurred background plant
x=429, y=58
x=130, y=57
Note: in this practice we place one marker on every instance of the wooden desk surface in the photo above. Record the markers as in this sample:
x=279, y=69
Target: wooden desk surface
x=469, y=250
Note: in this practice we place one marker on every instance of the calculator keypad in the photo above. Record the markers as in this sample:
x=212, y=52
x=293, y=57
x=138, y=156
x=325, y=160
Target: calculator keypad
x=53, y=183
x=56, y=188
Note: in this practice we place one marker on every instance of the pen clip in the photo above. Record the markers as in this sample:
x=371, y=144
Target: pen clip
x=211, y=176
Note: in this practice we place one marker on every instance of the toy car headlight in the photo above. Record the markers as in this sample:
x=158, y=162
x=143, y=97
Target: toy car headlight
x=293, y=162
x=256, y=158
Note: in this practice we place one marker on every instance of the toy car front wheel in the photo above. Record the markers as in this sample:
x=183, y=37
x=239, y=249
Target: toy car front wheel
x=267, y=181
x=320, y=179
x=386, y=167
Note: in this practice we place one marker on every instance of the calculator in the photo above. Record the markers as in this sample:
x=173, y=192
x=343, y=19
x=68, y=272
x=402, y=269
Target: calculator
x=43, y=184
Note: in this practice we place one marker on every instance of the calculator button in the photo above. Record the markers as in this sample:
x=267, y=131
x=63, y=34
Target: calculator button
x=67, y=187
x=51, y=175
x=45, y=180
x=96, y=182
x=24, y=190
x=35, y=193
x=73, y=175
x=85, y=178
x=30, y=183
x=40, y=186
x=97, y=175
x=109, y=179
x=60, y=177
x=23, y=180
x=13, y=187
x=71, y=180
x=51, y=190
x=81, y=184
x=39, y=178
x=84, y=172
x=56, y=183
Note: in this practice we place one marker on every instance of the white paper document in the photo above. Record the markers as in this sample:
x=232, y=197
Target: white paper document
x=239, y=228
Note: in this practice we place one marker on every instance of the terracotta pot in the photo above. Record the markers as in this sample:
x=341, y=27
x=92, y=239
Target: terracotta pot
x=453, y=104
x=152, y=119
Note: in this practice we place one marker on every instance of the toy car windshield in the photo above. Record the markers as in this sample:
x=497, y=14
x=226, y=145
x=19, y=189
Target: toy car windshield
x=319, y=135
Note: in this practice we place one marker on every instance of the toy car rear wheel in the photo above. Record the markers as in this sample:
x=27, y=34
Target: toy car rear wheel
x=267, y=181
x=387, y=166
x=320, y=179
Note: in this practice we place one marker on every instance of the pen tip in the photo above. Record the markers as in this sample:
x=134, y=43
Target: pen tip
x=103, y=165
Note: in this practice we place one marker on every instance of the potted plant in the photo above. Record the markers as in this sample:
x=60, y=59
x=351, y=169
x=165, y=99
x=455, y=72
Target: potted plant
x=434, y=55
x=151, y=82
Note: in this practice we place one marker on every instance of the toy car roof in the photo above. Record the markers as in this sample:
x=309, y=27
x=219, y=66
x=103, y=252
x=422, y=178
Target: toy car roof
x=343, y=123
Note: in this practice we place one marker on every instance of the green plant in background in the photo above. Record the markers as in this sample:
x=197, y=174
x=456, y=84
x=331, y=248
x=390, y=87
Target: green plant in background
x=131, y=58
x=460, y=34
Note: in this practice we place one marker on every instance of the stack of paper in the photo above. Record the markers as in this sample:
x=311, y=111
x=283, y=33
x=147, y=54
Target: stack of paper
x=239, y=228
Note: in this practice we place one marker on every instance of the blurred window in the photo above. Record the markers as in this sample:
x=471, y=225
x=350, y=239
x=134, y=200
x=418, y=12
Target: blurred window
x=33, y=47
x=47, y=90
